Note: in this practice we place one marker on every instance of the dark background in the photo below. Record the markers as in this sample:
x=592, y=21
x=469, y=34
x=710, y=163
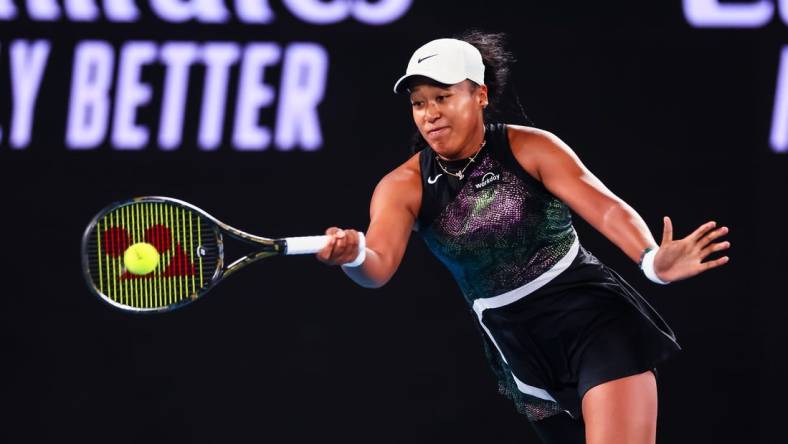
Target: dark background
x=674, y=120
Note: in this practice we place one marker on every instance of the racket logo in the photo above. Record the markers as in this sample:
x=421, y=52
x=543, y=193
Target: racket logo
x=117, y=239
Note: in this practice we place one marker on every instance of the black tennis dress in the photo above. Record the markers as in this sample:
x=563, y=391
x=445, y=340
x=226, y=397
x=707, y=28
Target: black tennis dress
x=555, y=321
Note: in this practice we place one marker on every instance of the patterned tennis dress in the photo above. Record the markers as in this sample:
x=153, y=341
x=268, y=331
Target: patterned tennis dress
x=555, y=321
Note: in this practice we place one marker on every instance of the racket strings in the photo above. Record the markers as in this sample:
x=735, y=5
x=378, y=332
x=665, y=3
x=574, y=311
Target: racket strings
x=185, y=241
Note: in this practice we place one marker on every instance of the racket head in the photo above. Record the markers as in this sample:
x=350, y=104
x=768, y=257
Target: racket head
x=188, y=242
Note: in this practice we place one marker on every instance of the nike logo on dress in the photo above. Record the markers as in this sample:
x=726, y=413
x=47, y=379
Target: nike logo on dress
x=425, y=58
x=431, y=181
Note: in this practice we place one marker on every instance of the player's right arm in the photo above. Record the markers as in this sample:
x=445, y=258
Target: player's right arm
x=393, y=210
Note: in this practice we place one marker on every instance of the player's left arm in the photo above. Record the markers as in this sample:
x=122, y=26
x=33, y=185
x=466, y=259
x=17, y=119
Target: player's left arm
x=564, y=175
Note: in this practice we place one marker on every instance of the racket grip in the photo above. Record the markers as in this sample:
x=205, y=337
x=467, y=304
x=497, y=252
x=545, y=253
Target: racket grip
x=313, y=244
x=305, y=244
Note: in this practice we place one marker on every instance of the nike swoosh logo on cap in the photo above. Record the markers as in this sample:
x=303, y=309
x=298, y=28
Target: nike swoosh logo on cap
x=425, y=58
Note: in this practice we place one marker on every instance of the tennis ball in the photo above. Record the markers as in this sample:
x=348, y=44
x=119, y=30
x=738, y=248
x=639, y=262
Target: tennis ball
x=141, y=258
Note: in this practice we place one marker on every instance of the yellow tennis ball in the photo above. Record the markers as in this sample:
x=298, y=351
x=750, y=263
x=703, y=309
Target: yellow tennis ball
x=141, y=258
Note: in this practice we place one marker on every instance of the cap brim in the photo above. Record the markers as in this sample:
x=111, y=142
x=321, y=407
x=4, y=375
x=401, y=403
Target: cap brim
x=399, y=87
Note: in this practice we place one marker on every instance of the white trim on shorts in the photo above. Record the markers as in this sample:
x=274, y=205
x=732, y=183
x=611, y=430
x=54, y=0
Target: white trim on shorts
x=512, y=296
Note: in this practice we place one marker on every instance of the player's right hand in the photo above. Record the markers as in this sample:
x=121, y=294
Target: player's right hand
x=342, y=247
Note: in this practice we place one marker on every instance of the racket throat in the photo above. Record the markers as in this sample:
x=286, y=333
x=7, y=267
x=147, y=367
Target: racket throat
x=246, y=260
x=280, y=246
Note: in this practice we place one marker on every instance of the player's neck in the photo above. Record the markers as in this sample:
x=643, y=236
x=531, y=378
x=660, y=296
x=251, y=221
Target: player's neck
x=469, y=149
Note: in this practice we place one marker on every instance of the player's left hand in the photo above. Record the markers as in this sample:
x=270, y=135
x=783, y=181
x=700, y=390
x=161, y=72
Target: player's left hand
x=683, y=258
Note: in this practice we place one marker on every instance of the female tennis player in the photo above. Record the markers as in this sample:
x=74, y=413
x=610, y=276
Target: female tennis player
x=571, y=342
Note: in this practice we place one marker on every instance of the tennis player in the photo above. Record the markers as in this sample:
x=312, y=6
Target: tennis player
x=572, y=344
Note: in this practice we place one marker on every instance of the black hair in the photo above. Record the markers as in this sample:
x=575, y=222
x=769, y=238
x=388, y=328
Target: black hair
x=504, y=103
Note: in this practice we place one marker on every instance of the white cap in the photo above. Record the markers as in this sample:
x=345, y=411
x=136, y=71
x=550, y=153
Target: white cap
x=446, y=61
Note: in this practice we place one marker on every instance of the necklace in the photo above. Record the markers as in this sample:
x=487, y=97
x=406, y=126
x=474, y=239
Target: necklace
x=459, y=174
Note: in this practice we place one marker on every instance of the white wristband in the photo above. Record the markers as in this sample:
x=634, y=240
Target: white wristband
x=647, y=265
x=362, y=252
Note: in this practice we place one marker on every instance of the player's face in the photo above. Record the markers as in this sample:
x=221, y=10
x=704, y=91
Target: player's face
x=449, y=117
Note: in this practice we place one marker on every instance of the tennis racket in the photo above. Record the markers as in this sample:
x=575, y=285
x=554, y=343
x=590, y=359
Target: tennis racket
x=184, y=253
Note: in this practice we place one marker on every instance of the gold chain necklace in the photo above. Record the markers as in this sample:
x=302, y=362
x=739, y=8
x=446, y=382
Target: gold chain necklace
x=459, y=174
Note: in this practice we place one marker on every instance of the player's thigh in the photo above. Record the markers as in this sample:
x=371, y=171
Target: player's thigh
x=623, y=410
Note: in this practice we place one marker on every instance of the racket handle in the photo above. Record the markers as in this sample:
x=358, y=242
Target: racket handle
x=313, y=244
x=305, y=244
